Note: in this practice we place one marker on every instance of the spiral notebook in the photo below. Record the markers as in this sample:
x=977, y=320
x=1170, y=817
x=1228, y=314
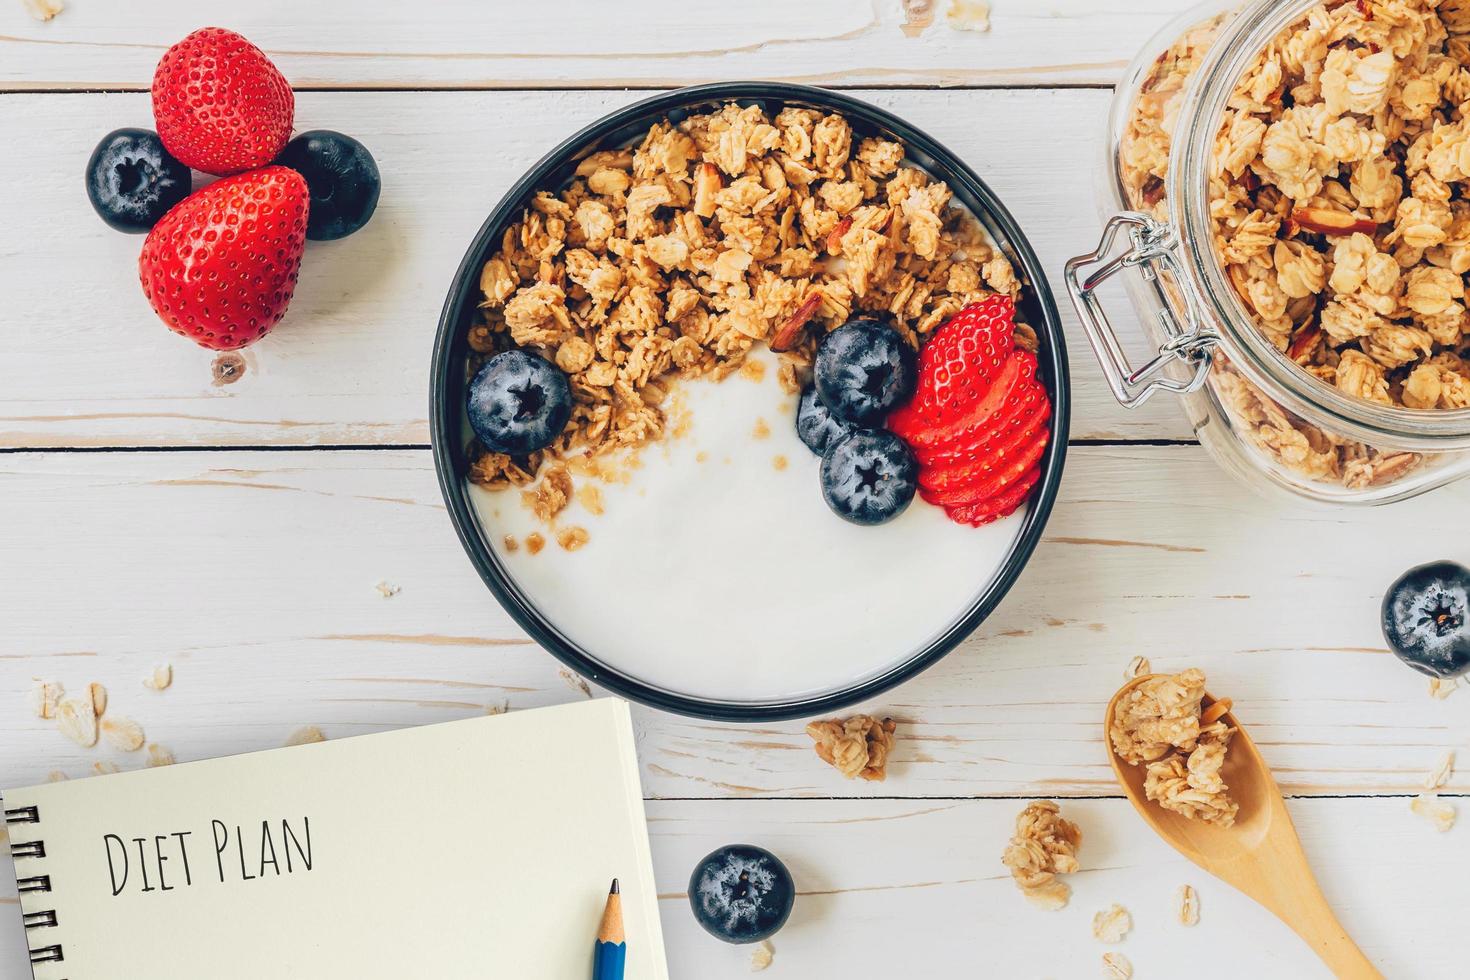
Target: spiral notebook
x=478, y=848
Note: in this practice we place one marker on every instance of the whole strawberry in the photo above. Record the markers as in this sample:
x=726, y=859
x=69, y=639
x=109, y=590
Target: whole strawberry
x=220, y=267
x=220, y=104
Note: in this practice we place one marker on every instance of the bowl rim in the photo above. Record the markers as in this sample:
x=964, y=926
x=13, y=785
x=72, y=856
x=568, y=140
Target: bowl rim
x=448, y=447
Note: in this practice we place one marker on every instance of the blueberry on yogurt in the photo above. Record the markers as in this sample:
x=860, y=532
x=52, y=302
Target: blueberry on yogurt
x=864, y=370
x=818, y=428
x=869, y=477
x=519, y=403
x=741, y=893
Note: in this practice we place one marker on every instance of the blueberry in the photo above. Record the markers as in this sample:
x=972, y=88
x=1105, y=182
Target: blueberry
x=816, y=426
x=133, y=181
x=342, y=177
x=741, y=893
x=1426, y=619
x=865, y=370
x=869, y=477
x=519, y=403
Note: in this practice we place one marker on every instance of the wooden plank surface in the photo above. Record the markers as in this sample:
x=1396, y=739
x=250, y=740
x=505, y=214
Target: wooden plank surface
x=590, y=43
x=90, y=365
x=916, y=889
x=254, y=573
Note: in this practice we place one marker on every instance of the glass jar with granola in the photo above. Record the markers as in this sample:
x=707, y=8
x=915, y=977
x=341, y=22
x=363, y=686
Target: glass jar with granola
x=1287, y=201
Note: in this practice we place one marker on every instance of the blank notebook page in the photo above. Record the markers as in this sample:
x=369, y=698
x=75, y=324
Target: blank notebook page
x=479, y=848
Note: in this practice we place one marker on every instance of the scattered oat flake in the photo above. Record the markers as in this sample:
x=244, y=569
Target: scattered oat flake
x=968, y=15
x=574, y=682
x=1116, y=967
x=1440, y=775
x=159, y=756
x=1439, y=689
x=1111, y=924
x=511, y=544
x=535, y=542
x=123, y=734
x=56, y=776
x=387, y=589
x=590, y=497
x=105, y=768
x=44, y=10
x=1186, y=901
x=305, y=736
x=1137, y=667
x=161, y=678
x=762, y=955
x=46, y=698
x=78, y=721
x=1437, y=811
x=98, y=694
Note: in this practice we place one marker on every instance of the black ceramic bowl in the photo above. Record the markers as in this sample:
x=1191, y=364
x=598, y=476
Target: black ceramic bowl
x=627, y=126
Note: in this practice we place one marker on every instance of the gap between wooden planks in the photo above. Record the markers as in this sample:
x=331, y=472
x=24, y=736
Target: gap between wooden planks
x=90, y=366
x=113, y=562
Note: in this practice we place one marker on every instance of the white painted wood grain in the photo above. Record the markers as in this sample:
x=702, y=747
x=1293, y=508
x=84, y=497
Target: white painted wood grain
x=84, y=362
x=915, y=889
x=97, y=43
x=253, y=573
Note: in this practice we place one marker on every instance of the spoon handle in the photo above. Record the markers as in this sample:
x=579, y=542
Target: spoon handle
x=1312, y=919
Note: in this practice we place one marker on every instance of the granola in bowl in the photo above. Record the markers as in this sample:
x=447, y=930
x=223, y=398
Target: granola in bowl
x=709, y=273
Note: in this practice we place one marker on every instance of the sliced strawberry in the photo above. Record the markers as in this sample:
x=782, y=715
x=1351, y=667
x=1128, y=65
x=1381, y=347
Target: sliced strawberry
x=1018, y=418
x=1004, y=446
x=958, y=363
x=1019, y=368
x=985, y=478
x=1002, y=505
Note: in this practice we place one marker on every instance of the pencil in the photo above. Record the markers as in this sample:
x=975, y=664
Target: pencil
x=611, y=951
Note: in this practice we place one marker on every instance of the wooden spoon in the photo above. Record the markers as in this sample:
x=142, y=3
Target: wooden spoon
x=1260, y=855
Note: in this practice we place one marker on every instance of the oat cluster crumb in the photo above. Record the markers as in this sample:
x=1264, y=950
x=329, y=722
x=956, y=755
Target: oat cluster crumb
x=1440, y=689
x=1439, y=776
x=1186, y=905
x=1044, y=846
x=1112, y=924
x=387, y=589
x=1337, y=190
x=161, y=679
x=1160, y=724
x=1137, y=667
x=730, y=229
x=857, y=747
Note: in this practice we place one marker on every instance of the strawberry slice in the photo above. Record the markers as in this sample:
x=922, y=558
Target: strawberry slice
x=986, y=477
x=1004, y=505
x=958, y=364
x=1018, y=369
x=970, y=466
x=1018, y=419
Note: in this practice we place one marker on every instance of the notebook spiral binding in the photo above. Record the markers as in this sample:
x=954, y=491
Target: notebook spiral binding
x=34, y=884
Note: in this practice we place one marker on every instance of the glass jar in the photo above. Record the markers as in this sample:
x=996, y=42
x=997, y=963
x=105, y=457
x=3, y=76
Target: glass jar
x=1262, y=415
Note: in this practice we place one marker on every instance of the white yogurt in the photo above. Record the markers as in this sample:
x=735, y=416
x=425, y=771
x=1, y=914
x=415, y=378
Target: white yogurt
x=716, y=574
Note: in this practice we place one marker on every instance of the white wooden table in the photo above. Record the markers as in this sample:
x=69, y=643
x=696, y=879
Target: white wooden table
x=238, y=531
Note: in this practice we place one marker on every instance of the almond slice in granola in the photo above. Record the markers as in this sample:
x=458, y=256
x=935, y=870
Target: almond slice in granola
x=78, y=721
x=1215, y=712
x=123, y=734
x=1327, y=222
x=790, y=331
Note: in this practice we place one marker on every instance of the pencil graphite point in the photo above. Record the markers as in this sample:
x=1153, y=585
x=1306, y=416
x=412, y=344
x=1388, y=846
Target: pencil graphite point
x=616, y=889
x=612, y=916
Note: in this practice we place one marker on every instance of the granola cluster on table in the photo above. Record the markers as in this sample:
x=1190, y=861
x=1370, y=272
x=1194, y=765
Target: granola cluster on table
x=730, y=229
x=1160, y=724
x=1337, y=193
x=1043, y=848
